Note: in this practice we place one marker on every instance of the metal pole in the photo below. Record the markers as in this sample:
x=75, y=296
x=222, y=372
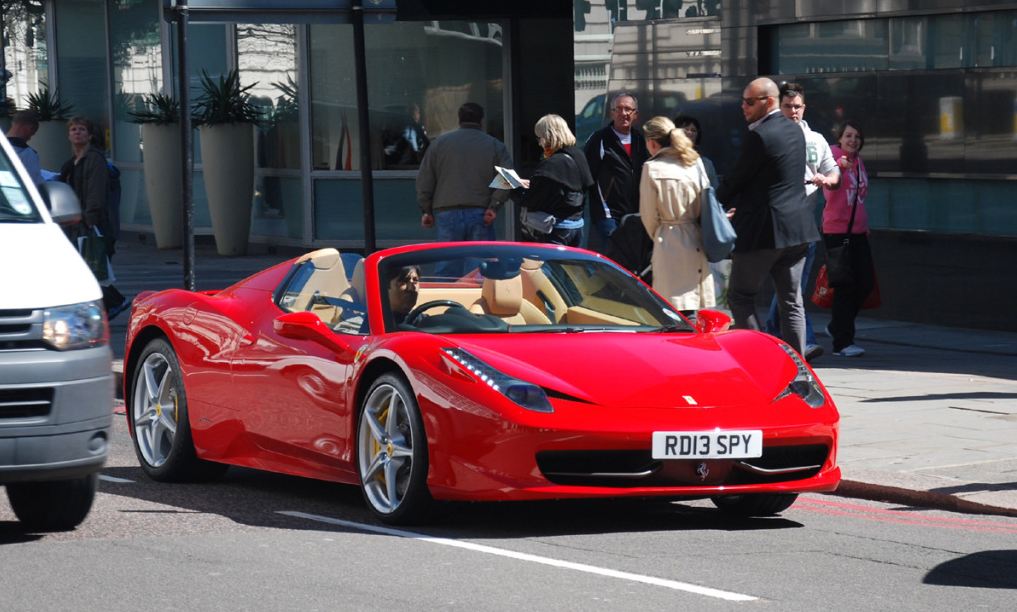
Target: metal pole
x=186, y=153
x=364, y=119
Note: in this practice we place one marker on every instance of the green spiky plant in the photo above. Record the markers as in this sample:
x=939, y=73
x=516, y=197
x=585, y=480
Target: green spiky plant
x=160, y=109
x=224, y=101
x=286, y=108
x=49, y=107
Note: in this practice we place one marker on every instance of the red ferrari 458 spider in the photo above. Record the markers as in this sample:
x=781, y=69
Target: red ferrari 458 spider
x=473, y=371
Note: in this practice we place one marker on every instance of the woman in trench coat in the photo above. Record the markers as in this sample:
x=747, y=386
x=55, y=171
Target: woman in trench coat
x=669, y=202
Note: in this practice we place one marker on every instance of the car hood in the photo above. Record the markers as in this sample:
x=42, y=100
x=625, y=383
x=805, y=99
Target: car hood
x=646, y=370
x=41, y=268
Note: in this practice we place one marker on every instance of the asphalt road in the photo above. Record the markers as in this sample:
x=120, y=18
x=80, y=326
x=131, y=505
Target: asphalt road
x=255, y=541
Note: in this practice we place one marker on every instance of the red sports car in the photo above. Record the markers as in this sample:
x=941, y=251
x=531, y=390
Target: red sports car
x=473, y=371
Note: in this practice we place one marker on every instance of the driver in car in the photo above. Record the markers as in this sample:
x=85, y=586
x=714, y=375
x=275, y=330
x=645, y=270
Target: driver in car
x=403, y=289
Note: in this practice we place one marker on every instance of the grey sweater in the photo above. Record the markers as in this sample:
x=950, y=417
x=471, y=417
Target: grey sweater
x=457, y=169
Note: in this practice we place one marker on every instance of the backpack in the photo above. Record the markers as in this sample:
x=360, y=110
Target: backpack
x=113, y=193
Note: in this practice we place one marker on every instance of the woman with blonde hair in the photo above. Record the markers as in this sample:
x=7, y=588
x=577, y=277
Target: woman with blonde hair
x=553, y=202
x=670, y=197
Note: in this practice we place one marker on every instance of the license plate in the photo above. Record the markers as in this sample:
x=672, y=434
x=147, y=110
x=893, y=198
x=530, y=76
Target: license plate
x=740, y=444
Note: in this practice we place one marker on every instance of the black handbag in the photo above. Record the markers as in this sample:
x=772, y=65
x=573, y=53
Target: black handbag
x=839, y=272
x=94, y=251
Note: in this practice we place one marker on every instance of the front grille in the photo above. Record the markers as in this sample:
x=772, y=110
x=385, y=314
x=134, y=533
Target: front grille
x=21, y=404
x=21, y=330
x=628, y=469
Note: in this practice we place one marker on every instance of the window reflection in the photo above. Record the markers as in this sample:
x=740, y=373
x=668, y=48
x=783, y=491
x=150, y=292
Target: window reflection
x=334, y=130
x=25, y=52
x=420, y=74
x=267, y=59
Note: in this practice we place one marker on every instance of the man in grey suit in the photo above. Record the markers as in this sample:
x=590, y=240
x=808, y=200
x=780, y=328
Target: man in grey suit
x=771, y=216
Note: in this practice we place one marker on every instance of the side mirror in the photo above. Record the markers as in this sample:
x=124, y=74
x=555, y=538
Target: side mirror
x=63, y=205
x=305, y=325
x=708, y=321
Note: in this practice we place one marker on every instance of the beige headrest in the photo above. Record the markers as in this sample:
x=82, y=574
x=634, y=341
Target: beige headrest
x=323, y=259
x=532, y=264
x=504, y=297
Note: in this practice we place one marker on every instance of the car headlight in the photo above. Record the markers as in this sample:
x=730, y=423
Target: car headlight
x=526, y=394
x=76, y=326
x=804, y=384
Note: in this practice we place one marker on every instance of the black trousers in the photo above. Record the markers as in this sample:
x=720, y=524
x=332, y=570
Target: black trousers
x=847, y=301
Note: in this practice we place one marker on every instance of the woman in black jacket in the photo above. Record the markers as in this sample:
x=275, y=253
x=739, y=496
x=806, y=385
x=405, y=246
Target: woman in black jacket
x=554, y=199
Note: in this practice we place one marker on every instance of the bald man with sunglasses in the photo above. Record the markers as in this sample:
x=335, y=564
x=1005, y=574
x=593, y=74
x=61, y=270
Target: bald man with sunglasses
x=771, y=215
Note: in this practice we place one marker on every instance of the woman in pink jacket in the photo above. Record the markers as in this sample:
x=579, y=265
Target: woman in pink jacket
x=839, y=224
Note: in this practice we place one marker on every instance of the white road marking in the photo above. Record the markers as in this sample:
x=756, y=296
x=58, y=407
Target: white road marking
x=113, y=478
x=490, y=550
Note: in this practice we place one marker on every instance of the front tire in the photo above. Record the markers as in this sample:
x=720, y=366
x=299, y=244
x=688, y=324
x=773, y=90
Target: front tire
x=759, y=504
x=58, y=505
x=160, y=426
x=392, y=453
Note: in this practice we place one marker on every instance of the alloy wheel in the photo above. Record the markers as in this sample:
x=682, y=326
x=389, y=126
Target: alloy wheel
x=155, y=409
x=386, y=448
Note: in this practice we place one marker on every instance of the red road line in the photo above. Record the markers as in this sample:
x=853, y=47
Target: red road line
x=884, y=515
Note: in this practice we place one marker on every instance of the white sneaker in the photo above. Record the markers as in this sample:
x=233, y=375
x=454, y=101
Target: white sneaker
x=851, y=350
x=812, y=351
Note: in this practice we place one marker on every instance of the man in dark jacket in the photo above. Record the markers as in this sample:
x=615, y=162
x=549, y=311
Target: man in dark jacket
x=615, y=155
x=772, y=218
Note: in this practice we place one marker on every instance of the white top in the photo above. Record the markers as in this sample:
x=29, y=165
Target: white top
x=818, y=158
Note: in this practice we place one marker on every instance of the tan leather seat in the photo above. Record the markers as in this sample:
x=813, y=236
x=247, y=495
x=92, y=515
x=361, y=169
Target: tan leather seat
x=539, y=291
x=327, y=280
x=356, y=292
x=503, y=298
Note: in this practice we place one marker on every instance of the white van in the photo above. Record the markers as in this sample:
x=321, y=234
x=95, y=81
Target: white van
x=56, y=381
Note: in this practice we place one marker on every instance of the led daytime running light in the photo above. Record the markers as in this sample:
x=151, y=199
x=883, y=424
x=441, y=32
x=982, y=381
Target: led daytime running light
x=525, y=394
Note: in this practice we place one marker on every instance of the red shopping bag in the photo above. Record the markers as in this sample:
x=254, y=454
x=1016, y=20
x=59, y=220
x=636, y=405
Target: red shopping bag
x=822, y=295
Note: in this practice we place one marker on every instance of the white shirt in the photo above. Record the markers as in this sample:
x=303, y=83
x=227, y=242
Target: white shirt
x=818, y=158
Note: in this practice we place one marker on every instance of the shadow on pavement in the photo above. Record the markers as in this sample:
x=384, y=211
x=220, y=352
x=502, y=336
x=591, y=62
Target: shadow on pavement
x=993, y=569
x=977, y=487
x=252, y=497
x=12, y=532
x=976, y=395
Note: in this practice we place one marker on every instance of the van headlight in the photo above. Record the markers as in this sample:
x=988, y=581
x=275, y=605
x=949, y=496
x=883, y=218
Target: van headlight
x=804, y=384
x=76, y=326
x=523, y=393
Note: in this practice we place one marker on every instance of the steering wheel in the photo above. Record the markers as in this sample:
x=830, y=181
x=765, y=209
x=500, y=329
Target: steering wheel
x=413, y=315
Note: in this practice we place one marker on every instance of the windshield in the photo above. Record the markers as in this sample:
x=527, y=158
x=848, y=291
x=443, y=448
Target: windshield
x=15, y=203
x=517, y=289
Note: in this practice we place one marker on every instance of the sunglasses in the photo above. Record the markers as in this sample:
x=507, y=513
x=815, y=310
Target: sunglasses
x=752, y=101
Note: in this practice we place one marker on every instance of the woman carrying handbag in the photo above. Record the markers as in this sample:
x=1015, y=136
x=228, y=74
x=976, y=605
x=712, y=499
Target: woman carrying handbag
x=845, y=234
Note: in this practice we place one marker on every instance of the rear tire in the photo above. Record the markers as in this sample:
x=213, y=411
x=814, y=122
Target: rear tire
x=758, y=504
x=392, y=453
x=57, y=505
x=159, y=421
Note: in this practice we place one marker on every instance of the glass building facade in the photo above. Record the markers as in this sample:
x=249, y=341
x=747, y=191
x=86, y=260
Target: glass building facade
x=932, y=82
x=103, y=56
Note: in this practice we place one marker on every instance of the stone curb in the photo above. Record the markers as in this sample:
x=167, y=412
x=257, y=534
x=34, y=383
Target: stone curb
x=911, y=497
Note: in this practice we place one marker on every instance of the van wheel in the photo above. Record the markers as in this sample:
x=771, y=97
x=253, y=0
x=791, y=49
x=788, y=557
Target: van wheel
x=58, y=505
x=755, y=504
x=160, y=427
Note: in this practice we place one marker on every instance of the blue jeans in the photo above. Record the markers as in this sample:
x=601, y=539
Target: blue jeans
x=772, y=325
x=458, y=225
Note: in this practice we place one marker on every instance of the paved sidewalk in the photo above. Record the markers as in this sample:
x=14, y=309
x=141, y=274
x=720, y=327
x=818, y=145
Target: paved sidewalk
x=928, y=414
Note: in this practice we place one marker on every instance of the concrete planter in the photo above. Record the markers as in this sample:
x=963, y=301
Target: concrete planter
x=52, y=144
x=227, y=154
x=162, y=183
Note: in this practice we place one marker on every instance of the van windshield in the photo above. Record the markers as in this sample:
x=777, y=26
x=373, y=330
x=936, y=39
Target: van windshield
x=15, y=203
